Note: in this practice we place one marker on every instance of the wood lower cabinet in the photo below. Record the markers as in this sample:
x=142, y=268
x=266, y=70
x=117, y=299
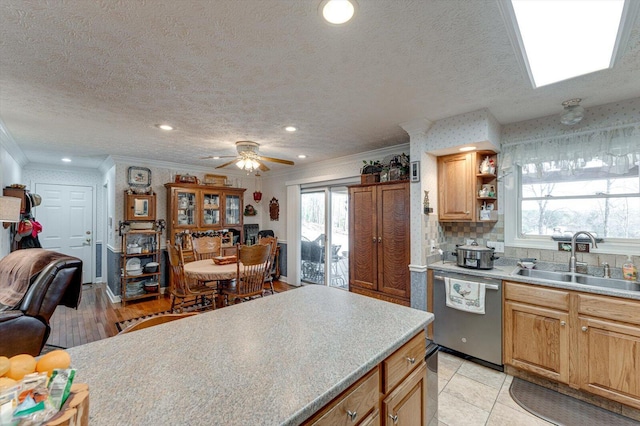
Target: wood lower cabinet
x=589, y=342
x=407, y=404
x=393, y=393
x=536, y=331
x=609, y=347
x=379, y=241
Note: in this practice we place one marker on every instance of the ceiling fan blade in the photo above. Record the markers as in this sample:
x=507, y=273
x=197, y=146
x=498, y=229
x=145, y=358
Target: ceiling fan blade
x=217, y=156
x=226, y=164
x=276, y=160
x=262, y=167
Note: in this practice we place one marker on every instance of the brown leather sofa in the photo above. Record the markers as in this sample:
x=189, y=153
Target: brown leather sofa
x=26, y=328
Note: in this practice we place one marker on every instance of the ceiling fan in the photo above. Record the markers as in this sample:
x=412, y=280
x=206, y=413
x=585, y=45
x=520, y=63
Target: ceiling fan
x=248, y=157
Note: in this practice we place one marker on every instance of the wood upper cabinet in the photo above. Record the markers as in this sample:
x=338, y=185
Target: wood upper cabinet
x=379, y=254
x=460, y=181
x=139, y=206
x=455, y=188
x=588, y=341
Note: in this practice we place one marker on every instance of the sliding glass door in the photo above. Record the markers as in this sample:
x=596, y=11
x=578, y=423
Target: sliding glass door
x=325, y=223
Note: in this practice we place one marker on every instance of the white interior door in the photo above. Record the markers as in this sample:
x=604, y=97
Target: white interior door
x=66, y=215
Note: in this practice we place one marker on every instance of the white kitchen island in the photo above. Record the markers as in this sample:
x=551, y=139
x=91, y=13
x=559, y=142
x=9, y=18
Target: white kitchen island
x=270, y=361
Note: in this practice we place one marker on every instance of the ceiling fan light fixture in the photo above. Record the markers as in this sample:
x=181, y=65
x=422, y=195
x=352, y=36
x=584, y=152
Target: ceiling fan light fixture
x=338, y=12
x=573, y=112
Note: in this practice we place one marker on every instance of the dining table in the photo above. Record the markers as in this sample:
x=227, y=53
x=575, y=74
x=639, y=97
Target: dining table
x=207, y=270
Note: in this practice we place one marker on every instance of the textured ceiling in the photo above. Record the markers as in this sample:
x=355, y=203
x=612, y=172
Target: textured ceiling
x=90, y=78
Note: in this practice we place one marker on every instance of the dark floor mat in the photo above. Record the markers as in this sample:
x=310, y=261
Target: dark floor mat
x=561, y=409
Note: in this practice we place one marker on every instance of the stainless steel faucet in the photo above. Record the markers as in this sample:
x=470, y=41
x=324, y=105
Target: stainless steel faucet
x=572, y=259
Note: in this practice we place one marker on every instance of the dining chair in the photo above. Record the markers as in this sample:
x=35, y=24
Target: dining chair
x=181, y=288
x=206, y=247
x=268, y=277
x=156, y=320
x=251, y=265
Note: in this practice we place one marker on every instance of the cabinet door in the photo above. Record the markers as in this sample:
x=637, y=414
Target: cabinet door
x=233, y=210
x=610, y=360
x=210, y=208
x=184, y=203
x=407, y=404
x=456, y=188
x=393, y=242
x=536, y=339
x=140, y=207
x=362, y=237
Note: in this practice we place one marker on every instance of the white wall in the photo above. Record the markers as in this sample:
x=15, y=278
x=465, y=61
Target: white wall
x=10, y=172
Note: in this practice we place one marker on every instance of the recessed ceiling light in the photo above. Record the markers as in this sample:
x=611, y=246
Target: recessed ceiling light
x=467, y=148
x=216, y=158
x=338, y=12
x=66, y=160
x=302, y=156
x=165, y=127
x=290, y=129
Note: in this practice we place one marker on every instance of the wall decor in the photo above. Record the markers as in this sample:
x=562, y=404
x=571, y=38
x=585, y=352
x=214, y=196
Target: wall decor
x=139, y=176
x=249, y=210
x=415, y=171
x=274, y=209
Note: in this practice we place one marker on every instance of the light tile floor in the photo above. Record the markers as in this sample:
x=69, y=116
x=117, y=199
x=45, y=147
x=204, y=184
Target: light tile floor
x=471, y=394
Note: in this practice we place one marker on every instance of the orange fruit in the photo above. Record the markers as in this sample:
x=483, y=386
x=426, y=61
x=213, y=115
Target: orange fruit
x=6, y=382
x=21, y=365
x=4, y=365
x=54, y=359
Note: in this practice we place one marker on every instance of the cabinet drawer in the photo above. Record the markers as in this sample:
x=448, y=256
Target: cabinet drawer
x=399, y=364
x=359, y=400
x=537, y=295
x=624, y=310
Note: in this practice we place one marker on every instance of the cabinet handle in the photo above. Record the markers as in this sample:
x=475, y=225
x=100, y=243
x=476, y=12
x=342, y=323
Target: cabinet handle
x=352, y=415
x=374, y=239
x=584, y=328
x=379, y=239
x=562, y=323
x=411, y=360
x=394, y=418
x=466, y=212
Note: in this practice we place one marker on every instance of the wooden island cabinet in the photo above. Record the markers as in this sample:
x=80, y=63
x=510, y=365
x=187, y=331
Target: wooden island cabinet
x=380, y=241
x=589, y=342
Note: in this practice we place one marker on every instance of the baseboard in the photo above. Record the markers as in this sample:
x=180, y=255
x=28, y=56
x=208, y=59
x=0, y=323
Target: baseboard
x=112, y=297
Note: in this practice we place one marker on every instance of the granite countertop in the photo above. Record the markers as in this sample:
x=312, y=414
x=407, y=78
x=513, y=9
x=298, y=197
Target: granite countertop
x=508, y=272
x=270, y=361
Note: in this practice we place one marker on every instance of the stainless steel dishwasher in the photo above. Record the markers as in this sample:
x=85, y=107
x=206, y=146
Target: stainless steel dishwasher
x=475, y=335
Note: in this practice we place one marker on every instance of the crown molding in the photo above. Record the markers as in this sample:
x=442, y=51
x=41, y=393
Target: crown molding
x=10, y=145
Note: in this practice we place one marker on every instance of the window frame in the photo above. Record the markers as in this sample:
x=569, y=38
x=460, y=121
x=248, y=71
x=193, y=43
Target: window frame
x=512, y=190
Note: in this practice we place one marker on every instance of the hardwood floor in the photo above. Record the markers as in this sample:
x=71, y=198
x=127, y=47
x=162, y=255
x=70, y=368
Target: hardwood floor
x=96, y=316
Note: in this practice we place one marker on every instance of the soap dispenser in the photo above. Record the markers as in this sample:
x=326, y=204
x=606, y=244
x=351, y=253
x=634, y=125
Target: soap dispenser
x=629, y=271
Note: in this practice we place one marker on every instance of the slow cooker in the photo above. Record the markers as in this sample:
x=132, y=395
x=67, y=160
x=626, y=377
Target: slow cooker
x=473, y=256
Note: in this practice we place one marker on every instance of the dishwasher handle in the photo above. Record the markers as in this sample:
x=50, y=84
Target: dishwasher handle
x=486, y=286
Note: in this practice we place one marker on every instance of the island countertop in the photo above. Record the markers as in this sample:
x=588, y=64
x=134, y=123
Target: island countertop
x=270, y=361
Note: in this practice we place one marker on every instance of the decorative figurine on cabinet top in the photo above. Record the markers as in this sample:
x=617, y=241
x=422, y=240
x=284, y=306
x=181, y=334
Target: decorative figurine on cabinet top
x=274, y=209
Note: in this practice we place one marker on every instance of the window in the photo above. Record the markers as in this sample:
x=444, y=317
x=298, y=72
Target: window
x=560, y=198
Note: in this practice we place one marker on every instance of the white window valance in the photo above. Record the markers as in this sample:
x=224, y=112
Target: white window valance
x=618, y=147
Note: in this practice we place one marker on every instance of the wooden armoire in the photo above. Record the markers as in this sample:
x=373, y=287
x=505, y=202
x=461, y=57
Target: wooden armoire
x=380, y=241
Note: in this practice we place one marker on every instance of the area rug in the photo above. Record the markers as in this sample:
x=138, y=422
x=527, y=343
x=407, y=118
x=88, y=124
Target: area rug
x=562, y=409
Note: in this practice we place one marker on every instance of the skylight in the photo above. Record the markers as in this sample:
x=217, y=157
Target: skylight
x=567, y=38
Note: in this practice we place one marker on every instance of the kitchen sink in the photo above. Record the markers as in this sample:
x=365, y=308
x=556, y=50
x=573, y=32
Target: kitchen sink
x=545, y=275
x=580, y=279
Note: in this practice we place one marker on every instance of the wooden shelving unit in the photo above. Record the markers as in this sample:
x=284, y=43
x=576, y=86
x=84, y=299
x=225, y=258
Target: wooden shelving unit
x=148, y=243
